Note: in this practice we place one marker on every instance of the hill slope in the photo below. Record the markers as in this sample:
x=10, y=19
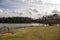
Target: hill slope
x=35, y=33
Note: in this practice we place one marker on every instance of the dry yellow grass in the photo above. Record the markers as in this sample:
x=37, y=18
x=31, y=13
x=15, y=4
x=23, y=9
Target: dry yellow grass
x=35, y=33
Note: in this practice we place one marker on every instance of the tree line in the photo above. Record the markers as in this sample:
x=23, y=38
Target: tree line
x=16, y=20
x=49, y=19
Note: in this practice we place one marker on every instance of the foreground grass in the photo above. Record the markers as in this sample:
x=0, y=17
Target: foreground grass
x=35, y=33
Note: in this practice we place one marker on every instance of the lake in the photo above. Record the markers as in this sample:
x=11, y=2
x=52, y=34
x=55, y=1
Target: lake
x=19, y=24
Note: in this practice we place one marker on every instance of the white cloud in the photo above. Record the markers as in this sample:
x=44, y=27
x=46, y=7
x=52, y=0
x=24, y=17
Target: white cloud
x=14, y=4
x=1, y=11
x=51, y=1
x=31, y=1
x=17, y=6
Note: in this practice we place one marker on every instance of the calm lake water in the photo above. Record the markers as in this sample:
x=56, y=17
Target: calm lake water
x=19, y=25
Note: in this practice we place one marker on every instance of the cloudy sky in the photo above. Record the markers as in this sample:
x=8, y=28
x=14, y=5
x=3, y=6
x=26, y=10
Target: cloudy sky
x=44, y=5
x=13, y=4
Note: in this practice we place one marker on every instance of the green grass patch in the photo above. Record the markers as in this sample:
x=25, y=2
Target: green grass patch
x=35, y=33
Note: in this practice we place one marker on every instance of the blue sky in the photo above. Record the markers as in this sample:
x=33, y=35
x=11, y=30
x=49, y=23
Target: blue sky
x=13, y=4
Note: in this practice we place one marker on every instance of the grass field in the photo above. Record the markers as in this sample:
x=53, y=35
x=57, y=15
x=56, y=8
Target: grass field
x=34, y=33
